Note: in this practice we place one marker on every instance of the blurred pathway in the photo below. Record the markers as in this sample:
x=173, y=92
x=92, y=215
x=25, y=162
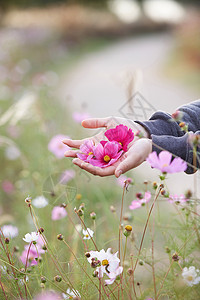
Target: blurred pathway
x=98, y=82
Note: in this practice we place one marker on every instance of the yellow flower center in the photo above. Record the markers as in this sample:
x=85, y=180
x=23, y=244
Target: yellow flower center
x=165, y=165
x=190, y=278
x=90, y=153
x=104, y=262
x=87, y=235
x=106, y=158
x=120, y=143
x=128, y=227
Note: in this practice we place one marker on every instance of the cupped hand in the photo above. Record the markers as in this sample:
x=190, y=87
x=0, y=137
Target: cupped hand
x=138, y=149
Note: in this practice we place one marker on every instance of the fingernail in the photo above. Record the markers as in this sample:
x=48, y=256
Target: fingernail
x=119, y=173
x=75, y=160
x=64, y=141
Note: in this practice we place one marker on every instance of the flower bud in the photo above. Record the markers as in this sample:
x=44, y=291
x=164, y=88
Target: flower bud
x=82, y=206
x=7, y=241
x=28, y=200
x=141, y=263
x=41, y=230
x=112, y=209
x=188, y=194
x=58, y=278
x=128, y=229
x=44, y=247
x=130, y=271
x=42, y=279
x=40, y=259
x=95, y=273
x=80, y=212
x=167, y=250
x=42, y=285
x=175, y=257
x=16, y=249
x=139, y=195
x=155, y=185
x=60, y=237
x=87, y=254
x=64, y=205
x=93, y=215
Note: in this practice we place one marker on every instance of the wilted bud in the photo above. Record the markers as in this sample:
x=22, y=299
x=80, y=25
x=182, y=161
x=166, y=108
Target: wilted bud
x=28, y=200
x=93, y=215
x=41, y=230
x=175, y=257
x=128, y=229
x=7, y=241
x=60, y=237
x=42, y=279
x=58, y=278
x=78, y=196
x=87, y=254
x=112, y=209
x=130, y=271
x=188, y=194
x=139, y=195
x=95, y=263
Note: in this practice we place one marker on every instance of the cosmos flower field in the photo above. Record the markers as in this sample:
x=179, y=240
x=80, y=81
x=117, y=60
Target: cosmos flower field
x=66, y=234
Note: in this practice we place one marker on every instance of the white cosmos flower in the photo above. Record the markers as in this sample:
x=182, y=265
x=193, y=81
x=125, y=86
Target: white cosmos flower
x=88, y=234
x=71, y=294
x=108, y=262
x=40, y=202
x=114, y=275
x=190, y=275
x=10, y=231
x=31, y=237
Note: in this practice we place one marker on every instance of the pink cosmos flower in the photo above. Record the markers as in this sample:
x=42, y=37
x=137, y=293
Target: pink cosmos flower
x=121, y=134
x=67, y=176
x=165, y=164
x=79, y=117
x=57, y=147
x=48, y=295
x=58, y=213
x=105, y=155
x=87, y=151
x=177, y=199
x=7, y=187
x=140, y=201
x=33, y=253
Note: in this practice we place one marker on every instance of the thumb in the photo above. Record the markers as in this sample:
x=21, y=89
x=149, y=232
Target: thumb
x=134, y=156
x=95, y=122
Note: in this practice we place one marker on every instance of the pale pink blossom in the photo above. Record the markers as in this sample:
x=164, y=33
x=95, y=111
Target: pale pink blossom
x=31, y=254
x=58, y=213
x=48, y=295
x=121, y=180
x=80, y=116
x=86, y=151
x=177, y=199
x=121, y=134
x=141, y=201
x=114, y=275
x=67, y=176
x=106, y=155
x=57, y=147
x=8, y=187
x=31, y=237
x=9, y=231
x=165, y=164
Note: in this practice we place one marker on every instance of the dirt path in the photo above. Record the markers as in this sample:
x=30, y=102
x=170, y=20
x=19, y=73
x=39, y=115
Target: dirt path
x=99, y=83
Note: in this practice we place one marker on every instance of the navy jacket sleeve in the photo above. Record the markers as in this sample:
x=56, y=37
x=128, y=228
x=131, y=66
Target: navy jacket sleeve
x=166, y=133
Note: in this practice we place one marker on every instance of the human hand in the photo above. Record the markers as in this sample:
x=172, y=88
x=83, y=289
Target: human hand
x=137, y=152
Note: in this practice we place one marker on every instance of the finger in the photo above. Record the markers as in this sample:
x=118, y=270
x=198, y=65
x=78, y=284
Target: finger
x=95, y=122
x=74, y=143
x=94, y=170
x=134, y=156
x=71, y=153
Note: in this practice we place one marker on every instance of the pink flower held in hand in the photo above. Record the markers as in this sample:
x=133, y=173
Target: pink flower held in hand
x=140, y=201
x=87, y=151
x=57, y=147
x=164, y=164
x=121, y=134
x=105, y=155
x=58, y=213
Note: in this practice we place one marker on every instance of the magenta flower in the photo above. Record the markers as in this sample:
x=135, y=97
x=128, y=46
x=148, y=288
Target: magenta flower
x=58, y=213
x=87, y=151
x=57, y=147
x=121, y=134
x=140, y=201
x=79, y=117
x=177, y=199
x=105, y=155
x=165, y=164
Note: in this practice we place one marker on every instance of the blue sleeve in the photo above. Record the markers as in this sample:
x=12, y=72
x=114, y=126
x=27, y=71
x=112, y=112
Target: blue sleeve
x=167, y=135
